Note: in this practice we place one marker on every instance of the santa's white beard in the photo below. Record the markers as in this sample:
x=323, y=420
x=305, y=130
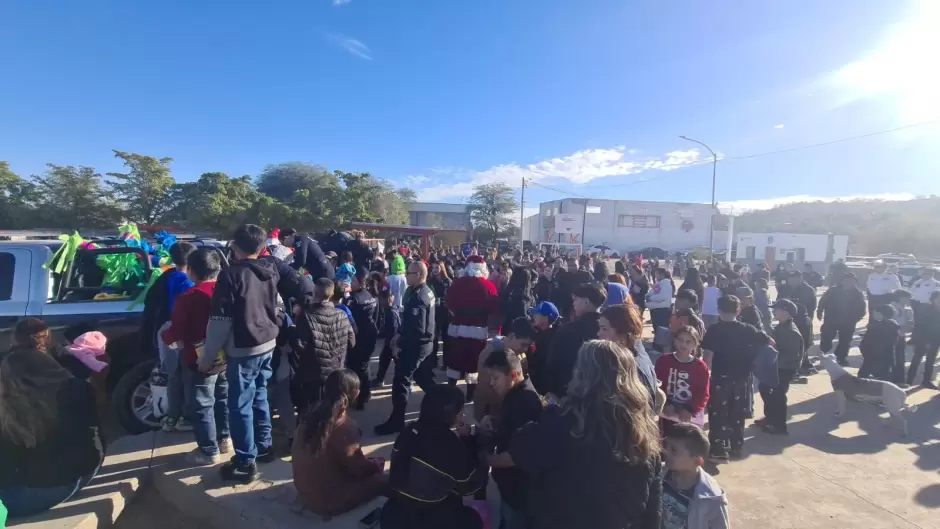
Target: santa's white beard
x=476, y=270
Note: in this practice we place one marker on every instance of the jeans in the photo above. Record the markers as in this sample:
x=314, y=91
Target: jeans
x=249, y=414
x=358, y=360
x=27, y=501
x=207, y=408
x=829, y=331
x=170, y=364
x=925, y=348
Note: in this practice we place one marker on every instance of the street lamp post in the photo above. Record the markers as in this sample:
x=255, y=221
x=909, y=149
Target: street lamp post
x=711, y=221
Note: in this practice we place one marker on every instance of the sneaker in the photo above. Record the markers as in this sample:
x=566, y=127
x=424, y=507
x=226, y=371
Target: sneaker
x=246, y=474
x=760, y=422
x=168, y=425
x=774, y=430
x=376, y=384
x=225, y=445
x=266, y=456
x=182, y=425
x=201, y=459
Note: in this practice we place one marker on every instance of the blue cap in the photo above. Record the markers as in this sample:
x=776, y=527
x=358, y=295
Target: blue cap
x=549, y=310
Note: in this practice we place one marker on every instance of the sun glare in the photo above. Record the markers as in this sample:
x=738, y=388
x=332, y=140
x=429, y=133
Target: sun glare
x=902, y=69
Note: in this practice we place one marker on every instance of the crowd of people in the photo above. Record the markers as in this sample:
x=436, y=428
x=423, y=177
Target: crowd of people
x=572, y=418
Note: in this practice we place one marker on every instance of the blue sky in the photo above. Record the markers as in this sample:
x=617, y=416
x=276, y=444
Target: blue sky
x=584, y=96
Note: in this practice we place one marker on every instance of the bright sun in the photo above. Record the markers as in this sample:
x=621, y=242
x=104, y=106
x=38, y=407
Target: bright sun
x=902, y=69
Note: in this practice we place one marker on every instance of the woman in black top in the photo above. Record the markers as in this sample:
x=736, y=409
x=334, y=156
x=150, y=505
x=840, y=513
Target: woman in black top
x=639, y=287
x=693, y=281
x=594, y=461
x=440, y=282
x=516, y=297
x=50, y=444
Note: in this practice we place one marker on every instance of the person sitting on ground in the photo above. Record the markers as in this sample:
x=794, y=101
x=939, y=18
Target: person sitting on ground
x=519, y=405
x=518, y=338
x=321, y=337
x=432, y=469
x=593, y=462
x=50, y=439
x=692, y=499
x=331, y=474
x=206, y=391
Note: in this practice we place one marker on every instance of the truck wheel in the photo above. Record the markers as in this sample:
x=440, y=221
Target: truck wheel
x=132, y=401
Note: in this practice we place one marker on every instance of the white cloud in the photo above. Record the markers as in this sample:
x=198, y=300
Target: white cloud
x=780, y=126
x=741, y=206
x=352, y=46
x=579, y=168
x=416, y=180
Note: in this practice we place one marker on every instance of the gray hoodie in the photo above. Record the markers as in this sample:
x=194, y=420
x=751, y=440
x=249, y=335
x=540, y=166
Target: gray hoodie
x=708, y=508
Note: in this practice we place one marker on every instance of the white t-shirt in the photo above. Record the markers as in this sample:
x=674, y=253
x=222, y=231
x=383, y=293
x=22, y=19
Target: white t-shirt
x=923, y=288
x=881, y=284
x=710, y=301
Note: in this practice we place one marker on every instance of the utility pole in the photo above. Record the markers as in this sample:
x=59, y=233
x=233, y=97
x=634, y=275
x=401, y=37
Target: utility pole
x=711, y=221
x=522, y=211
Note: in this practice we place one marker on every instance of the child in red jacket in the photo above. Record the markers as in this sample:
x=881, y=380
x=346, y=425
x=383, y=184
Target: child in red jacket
x=685, y=379
x=205, y=388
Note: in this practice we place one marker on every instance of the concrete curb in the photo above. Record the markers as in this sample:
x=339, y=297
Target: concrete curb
x=125, y=470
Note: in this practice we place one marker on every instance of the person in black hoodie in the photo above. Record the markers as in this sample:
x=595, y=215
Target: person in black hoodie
x=516, y=298
x=365, y=311
x=244, y=323
x=543, y=285
x=307, y=254
x=561, y=289
x=877, y=345
x=840, y=309
x=432, y=469
x=546, y=321
x=587, y=300
x=389, y=320
x=519, y=405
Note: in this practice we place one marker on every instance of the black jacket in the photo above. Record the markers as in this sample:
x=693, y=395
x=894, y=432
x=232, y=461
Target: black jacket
x=564, y=351
x=365, y=312
x=842, y=306
x=537, y=358
x=561, y=291
x=578, y=482
x=789, y=345
x=431, y=471
x=246, y=294
x=320, y=338
x=388, y=322
x=752, y=316
x=417, y=319
x=520, y=406
x=309, y=256
x=801, y=293
x=72, y=449
x=291, y=284
x=880, y=339
x=543, y=289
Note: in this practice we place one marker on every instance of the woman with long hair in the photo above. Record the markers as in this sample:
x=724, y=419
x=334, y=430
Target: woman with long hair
x=439, y=281
x=639, y=287
x=622, y=325
x=593, y=461
x=693, y=281
x=331, y=474
x=50, y=444
x=516, y=298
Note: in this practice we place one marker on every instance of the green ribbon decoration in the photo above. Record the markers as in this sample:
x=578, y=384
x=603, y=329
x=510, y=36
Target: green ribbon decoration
x=66, y=253
x=157, y=272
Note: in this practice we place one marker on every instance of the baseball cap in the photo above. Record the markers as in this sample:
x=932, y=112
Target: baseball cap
x=786, y=305
x=547, y=309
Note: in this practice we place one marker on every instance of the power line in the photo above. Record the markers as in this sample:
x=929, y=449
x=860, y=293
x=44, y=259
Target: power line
x=751, y=156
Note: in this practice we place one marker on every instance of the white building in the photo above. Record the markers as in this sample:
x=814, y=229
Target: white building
x=624, y=225
x=817, y=249
x=439, y=215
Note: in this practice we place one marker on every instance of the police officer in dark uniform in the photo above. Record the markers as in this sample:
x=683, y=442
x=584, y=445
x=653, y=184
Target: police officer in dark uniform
x=412, y=346
x=307, y=254
x=364, y=309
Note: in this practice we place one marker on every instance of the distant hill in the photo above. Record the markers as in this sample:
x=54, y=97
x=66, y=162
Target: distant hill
x=873, y=226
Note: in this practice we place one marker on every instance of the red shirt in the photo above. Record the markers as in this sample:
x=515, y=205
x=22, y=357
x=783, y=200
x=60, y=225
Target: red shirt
x=685, y=384
x=189, y=320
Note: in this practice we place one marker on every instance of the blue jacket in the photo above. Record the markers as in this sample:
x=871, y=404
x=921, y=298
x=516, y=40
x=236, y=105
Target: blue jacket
x=176, y=283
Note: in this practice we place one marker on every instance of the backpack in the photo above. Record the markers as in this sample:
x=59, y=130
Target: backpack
x=156, y=313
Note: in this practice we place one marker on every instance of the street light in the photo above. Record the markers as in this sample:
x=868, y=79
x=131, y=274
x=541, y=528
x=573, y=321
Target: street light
x=711, y=221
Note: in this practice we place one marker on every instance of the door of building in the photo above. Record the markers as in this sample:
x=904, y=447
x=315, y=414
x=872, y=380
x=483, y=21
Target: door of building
x=770, y=255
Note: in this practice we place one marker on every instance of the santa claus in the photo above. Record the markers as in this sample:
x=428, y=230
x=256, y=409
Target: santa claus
x=473, y=302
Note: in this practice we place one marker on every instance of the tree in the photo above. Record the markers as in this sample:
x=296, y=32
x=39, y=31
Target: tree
x=17, y=199
x=309, y=191
x=145, y=190
x=72, y=198
x=490, y=208
x=214, y=203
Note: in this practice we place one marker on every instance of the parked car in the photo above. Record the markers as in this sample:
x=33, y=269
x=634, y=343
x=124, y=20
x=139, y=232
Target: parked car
x=27, y=289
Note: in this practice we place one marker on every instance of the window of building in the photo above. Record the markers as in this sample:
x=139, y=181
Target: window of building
x=594, y=210
x=750, y=252
x=639, y=221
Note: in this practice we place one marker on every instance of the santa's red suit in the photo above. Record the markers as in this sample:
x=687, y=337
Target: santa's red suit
x=472, y=301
